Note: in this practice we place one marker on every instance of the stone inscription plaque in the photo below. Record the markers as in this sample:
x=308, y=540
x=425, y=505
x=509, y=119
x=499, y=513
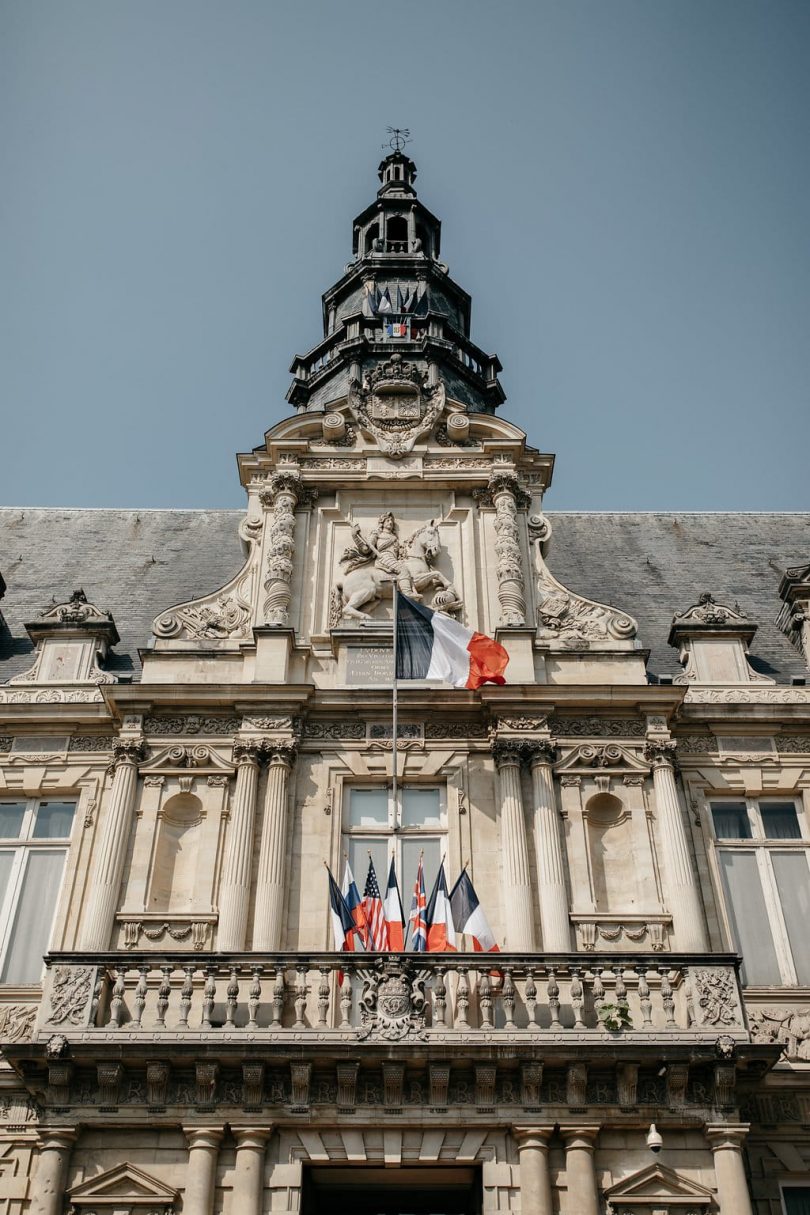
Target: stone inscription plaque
x=369, y=664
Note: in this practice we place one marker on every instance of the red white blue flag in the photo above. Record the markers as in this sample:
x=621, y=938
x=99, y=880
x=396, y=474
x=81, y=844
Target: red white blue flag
x=394, y=917
x=355, y=904
x=432, y=645
x=397, y=329
x=416, y=919
x=374, y=911
x=441, y=932
x=468, y=916
x=342, y=922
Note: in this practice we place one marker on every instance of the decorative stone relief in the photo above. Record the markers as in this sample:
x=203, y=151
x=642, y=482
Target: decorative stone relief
x=337, y=730
x=224, y=615
x=5, y=742
x=708, y=612
x=794, y=615
x=191, y=724
x=572, y=621
x=793, y=744
x=505, y=494
x=17, y=1022
x=395, y=404
x=285, y=491
x=197, y=931
x=455, y=729
x=374, y=562
x=595, y=727
x=789, y=1026
x=748, y=696
x=712, y=997
x=70, y=993
x=591, y=931
x=392, y=1005
x=91, y=742
x=50, y=696
x=602, y=755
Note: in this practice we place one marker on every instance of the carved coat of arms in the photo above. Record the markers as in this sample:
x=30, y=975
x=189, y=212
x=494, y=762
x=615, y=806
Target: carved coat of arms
x=392, y=1005
x=396, y=405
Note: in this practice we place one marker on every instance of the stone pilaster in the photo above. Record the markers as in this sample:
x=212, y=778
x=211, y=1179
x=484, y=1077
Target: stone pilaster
x=517, y=887
x=203, y=1151
x=726, y=1143
x=234, y=895
x=551, y=887
x=267, y=926
x=505, y=492
x=111, y=849
x=535, y=1177
x=48, y=1186
x=681, y=879
x=283, y=493
x=580, y=1173
x=248, y=1178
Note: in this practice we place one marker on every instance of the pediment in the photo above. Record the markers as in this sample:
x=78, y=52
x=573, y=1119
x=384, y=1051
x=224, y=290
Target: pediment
x=657, y=1184
x=183, y=757
x=603, y=757
x=125, y=1183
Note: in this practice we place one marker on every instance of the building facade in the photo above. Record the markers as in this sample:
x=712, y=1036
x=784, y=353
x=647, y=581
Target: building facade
x=183, y=747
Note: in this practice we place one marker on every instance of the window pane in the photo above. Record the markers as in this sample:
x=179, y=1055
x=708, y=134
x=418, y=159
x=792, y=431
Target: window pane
x=749, y=918
x=368, y=807
x=780, y=821
x=797, y=1199
x=731, y=821
x=11, y=817
x=358, y=848
x=6, y=861
x=793, y=884
x=421, y=808
x=410, y=863
x=31, y=931
x=54, y=820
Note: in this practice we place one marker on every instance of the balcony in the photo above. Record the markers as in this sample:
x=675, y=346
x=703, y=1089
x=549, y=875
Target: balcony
x=329, y=1000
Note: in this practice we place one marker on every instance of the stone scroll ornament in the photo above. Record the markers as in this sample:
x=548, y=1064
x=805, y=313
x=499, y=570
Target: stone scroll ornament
x=395, y=405
x=224, y=615
x=571, y=620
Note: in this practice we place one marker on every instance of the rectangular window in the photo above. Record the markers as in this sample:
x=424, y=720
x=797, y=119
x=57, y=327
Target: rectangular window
x=763, y=850
x=796, y=1199
x=373, y=826
x=31, y=871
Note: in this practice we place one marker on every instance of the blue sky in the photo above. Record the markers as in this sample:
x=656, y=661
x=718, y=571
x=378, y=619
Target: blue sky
x=623, y=187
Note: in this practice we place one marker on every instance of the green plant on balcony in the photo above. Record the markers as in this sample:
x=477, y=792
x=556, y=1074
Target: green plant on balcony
x=615, y=1017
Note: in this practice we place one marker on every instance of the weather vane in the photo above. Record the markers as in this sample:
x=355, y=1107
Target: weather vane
x=399, y=137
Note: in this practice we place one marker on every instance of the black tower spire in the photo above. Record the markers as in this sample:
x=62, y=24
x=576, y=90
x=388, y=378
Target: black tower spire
x=396, y=296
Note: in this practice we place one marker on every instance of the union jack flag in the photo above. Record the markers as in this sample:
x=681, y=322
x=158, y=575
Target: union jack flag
x=416, y=919
x=375, y=914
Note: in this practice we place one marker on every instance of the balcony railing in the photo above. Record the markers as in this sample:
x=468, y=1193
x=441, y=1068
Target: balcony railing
x=329, y=997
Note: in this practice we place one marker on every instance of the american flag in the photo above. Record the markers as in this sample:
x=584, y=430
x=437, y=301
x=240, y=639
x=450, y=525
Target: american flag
x=375, y=915
x=416, y=919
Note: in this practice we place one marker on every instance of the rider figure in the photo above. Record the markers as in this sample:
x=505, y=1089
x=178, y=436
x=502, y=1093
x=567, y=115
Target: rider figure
x=382, y=544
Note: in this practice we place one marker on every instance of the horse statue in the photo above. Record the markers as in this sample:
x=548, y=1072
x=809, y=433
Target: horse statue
x=377, y=561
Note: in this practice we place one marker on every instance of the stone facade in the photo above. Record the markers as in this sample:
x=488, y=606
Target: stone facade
x=192, y=1041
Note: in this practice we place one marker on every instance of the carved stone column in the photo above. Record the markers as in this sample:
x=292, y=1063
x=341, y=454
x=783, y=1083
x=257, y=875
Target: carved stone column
x=285, y=491
x=272, y=851
x=203, y=1150
x=551, y=887
x=105, y=889
x=48, y=1186
x=726, y=1143
x=234, y=895
x=681, y=879
x=517, y=887
x=506, y=492
x=580, y=1173
x=248, y=1179
x=535, y=1178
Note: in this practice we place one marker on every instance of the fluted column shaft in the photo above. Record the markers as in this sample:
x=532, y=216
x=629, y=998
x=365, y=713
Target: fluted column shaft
x=580, y=1173
x=535, y=1177
x=50, y=1178
x=248, y=1179
x=517, y=885
x=111, y=850
x=726, y=1143
x=203, y=1150
x=234, y=895
x=682, y=889
x=551, y=886
x=272, y=852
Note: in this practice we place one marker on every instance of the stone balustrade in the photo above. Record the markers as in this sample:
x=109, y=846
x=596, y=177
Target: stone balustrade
x=331, y=997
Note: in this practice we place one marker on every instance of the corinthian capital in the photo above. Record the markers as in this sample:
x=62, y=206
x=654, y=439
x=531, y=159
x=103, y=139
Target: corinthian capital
x=661, y=754
x=249, y=751
x=507, y=751
x=541, y=751
x=128, y=751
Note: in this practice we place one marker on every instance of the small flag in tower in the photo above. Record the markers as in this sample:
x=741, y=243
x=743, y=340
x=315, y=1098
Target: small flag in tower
x=468, y=915
x=432, y=645
x=374, y=912
x=355, y=904
x=343, y=927
x=416, y=919
x=397, y=329
x=384, y=303
x=371, y=299
x=441, y=932
x=402, y=299
x=394, y=916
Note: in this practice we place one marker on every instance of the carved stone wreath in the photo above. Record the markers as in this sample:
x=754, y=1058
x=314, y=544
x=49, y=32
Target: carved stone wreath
x=395, y=405
x=392, y=1005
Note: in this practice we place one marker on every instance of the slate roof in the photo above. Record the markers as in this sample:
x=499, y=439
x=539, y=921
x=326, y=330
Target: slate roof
x=136, y=563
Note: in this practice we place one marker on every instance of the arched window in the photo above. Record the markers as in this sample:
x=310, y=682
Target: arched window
x=396, y=233
x=372, y=234
x=175, y=865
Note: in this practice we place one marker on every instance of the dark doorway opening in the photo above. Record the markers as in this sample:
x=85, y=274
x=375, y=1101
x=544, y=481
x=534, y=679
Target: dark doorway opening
x=397, y=1191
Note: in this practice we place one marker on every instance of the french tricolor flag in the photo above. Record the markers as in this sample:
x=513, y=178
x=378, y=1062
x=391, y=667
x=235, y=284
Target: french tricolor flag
x=441, y=932
x=354, y=903
x=432, y=645
x=392, y=910
x=468, y=916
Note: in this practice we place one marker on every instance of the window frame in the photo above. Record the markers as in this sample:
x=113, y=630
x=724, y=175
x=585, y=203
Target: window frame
x=22, y=847
x=763, y=847
x=394, y=831
x=791, y=1185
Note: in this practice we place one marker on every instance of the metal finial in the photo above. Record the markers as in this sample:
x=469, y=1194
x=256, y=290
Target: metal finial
x=399, y=137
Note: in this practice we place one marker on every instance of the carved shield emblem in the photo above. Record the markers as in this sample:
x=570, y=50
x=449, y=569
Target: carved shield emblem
x=396, y=405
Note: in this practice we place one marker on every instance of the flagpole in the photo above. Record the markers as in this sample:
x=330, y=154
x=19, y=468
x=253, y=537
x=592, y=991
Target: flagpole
x=394, y=706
